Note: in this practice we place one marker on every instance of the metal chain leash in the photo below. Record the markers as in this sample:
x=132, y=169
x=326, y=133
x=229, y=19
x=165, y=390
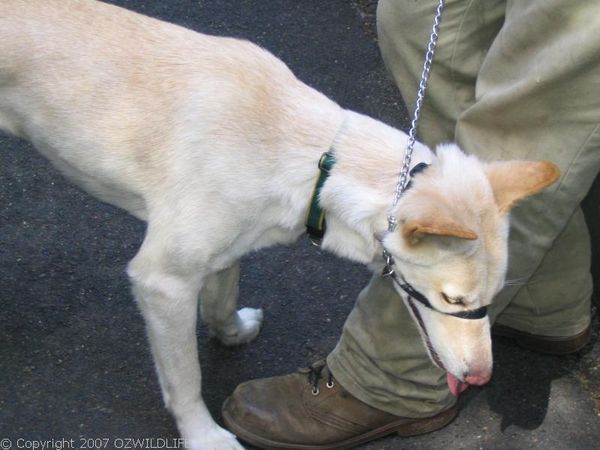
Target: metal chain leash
x=433, y=38
x=405, y=170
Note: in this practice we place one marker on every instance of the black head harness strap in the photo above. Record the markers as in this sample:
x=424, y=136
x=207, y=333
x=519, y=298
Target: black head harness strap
x=415, y=170
x=478, y=313
x=413, y=294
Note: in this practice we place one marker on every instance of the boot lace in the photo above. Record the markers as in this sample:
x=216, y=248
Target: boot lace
x=315, y=373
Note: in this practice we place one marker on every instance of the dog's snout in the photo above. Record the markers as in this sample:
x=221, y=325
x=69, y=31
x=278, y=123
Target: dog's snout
x=478, y=377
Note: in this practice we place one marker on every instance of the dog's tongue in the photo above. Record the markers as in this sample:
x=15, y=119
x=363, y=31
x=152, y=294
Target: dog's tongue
x=456, y=386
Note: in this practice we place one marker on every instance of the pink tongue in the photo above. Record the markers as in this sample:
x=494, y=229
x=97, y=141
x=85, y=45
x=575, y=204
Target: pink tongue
x=456, y=386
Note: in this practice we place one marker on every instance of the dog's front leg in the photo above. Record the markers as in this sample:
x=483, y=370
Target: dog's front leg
x=169, y=305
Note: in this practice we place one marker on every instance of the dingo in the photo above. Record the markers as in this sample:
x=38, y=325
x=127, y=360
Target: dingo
x=214, y=143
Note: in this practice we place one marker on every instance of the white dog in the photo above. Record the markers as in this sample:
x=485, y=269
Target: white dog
x=215, y=144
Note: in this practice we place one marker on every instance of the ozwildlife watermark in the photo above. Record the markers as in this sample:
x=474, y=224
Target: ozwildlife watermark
x=91, y=443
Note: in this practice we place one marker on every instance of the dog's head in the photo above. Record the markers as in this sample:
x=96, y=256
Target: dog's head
x=451, y=246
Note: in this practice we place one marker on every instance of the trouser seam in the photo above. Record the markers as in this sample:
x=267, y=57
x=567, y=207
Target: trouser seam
x=579, y=151
x=454, y=50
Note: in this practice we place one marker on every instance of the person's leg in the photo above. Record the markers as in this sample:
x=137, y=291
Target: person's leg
x=534, y=101
x=549, y=278
x=555, y=299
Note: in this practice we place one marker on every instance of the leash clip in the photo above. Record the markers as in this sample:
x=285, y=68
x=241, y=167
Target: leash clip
x=388, y=269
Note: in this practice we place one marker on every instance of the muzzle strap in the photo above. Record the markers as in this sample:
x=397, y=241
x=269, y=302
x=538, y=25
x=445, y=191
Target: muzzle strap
x=413, y=294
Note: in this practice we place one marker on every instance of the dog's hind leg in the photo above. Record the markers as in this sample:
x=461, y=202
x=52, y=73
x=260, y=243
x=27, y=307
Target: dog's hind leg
x=168, y=300
x=218, y=299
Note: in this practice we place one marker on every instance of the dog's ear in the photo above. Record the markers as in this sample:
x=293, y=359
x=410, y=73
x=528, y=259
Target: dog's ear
x=514, y=180
x=414, y=231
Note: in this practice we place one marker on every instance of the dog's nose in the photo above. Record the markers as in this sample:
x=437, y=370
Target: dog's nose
x=478, y=378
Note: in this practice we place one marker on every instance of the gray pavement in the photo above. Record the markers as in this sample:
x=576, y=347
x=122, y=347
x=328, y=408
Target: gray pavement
x=74, y=362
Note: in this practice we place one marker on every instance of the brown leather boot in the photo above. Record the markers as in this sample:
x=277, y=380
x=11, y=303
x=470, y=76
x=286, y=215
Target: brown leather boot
x=311, y=410
x=552, y=345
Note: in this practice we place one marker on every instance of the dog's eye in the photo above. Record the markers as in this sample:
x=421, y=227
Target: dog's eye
x=453, y=300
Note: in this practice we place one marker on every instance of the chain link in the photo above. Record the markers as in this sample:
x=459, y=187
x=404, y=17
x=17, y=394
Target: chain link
x=404, y=171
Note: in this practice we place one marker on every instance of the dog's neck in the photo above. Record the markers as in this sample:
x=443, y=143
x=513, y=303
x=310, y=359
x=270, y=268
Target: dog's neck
x=358, y=194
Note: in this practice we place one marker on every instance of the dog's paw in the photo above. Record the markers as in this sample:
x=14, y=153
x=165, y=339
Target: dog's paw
x=247, y=326
x=216, y=439
x=250, y=320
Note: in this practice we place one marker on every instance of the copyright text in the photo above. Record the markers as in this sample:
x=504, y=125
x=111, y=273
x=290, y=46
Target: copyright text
x=83, y=443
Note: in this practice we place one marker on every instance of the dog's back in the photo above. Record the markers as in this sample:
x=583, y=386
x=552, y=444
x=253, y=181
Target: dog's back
x=135, y=93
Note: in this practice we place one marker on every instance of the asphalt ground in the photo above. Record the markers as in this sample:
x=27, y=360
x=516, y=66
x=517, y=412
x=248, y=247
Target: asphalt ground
x=74, y=362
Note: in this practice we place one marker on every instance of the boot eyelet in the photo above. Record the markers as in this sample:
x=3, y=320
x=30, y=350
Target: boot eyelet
x=330, y=385
x=315, y=391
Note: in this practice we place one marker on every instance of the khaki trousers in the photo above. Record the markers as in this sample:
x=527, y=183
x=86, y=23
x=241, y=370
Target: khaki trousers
x=510, y=80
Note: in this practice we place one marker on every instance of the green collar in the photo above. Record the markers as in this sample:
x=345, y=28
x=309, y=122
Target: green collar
x=315, y=218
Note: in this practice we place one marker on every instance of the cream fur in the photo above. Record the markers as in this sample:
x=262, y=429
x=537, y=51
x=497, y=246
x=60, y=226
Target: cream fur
x=214, y=143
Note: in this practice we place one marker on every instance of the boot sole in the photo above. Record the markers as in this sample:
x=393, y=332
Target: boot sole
x=401, y=427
